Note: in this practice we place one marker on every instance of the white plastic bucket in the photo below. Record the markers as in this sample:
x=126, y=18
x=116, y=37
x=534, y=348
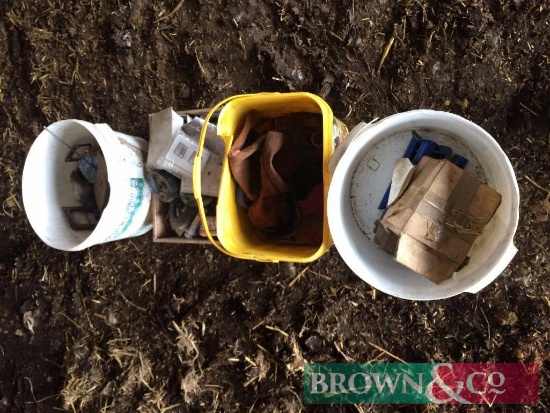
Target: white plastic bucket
x=362, y=176
x=47, y=186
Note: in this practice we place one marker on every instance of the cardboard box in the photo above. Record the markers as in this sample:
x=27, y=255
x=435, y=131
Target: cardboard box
x=161, y=227
x=432, y=226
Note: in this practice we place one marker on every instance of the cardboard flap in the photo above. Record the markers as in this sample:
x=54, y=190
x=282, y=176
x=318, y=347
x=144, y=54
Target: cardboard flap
x=434, y=223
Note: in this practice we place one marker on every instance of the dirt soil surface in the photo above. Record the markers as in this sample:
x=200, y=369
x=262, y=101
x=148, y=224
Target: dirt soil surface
x=133, y=326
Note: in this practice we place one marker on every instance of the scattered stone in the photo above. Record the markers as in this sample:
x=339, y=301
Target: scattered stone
x=28, y=321
x=314, y=342
x=108, y=389
x=506, y=318
x=112, y=319
x=541, y=210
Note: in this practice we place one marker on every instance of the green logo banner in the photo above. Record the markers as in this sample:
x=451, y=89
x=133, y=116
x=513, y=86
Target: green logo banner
x=420, y=383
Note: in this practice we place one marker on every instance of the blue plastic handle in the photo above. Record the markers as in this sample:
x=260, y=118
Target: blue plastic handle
x=418, y=148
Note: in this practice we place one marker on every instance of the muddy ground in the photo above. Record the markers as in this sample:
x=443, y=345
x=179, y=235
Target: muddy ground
x=134, y=326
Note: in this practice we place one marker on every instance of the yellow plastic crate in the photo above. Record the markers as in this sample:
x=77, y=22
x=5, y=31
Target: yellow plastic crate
x=237, y=237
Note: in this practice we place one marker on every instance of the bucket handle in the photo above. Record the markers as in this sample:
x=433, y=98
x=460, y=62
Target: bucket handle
x=197, y=176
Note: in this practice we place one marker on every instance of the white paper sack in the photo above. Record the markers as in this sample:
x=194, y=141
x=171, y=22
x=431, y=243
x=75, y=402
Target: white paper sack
x=173, y=146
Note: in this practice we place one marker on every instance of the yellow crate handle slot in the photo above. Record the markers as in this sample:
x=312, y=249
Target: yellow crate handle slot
x=197, y=176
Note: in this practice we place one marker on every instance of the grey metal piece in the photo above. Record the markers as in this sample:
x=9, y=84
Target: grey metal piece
x=189, y=199
x=89, y=218
x=74, y=151
x=193, y=229
x=180, y=216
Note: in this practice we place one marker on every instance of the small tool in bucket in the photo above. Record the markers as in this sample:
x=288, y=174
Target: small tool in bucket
x=181, y=216
x=85, y=216
x=420, y=147
x=82, y=218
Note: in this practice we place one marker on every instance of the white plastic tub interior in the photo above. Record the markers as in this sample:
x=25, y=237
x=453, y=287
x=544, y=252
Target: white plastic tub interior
x=362, y=176
x=47, y=186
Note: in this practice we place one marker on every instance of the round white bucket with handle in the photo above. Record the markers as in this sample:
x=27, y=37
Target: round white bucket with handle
x=47, y=185
x=361, y=178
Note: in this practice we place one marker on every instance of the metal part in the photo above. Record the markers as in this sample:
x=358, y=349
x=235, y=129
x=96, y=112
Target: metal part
x=89, y=218
x=189, y=199
x=180, y=216
x=70, y=157
x=164, y=185
x=72, y=148
x=88, y=168
x=193, y=229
